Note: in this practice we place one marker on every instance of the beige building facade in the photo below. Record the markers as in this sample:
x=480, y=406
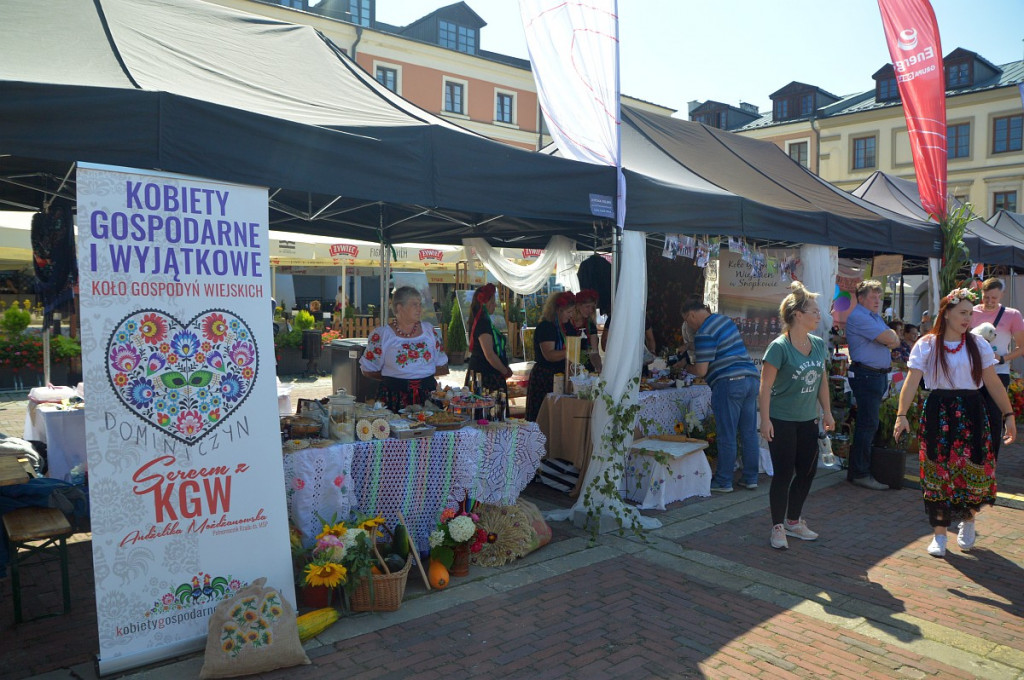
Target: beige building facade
x=437, y=63
x=849, y=138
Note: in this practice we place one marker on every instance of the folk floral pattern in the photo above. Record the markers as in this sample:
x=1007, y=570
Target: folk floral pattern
x=959, y=477
x=250, y=623
x=183, y=378
x=203, y=588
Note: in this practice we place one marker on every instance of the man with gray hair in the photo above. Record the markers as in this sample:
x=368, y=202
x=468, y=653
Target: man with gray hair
x=871, y=342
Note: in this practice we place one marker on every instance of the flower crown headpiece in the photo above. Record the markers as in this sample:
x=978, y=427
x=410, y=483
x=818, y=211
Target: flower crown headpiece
x=958, y=295
x=565, y=299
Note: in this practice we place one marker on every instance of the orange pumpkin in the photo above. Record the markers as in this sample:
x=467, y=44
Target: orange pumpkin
x=437, y=575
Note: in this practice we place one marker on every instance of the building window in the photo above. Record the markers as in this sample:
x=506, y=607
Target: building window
x=863, y=153
x=1004, y=200
x=388, y=77
x=454, y=101
x=294, y=4
x=958, y=75
x=888, y=90
x=782, y=109
x=958, y=140
x=1006, y=133
x=715, y=119
x=504, y=107
x=457, y=37
x=359, y=11
x=807, y=105
x=798, y=152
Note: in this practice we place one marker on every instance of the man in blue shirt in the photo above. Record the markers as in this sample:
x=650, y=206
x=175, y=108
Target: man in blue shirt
x=722, y=359
x=871, y=342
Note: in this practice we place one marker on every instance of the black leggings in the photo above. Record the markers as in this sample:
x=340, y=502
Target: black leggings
x=794, y=450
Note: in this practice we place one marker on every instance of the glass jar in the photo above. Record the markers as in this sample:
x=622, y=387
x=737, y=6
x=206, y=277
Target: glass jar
x=343, y=417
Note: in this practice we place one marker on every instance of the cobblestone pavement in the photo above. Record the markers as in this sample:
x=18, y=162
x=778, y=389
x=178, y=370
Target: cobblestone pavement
x=703, y=596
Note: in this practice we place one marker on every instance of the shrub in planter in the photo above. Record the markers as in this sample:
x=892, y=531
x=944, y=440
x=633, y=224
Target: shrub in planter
x=15, y=320
x=455, y=342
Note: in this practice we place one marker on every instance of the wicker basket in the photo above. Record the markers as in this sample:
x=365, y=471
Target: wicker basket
x=388, y=591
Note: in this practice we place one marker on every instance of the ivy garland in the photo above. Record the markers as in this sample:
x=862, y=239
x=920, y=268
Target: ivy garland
x=601, y=496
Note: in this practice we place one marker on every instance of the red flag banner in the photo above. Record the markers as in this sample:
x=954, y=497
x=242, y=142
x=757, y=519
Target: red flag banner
x=913, y=37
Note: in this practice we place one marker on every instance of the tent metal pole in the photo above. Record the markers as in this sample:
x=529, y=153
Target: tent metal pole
x=385, y=276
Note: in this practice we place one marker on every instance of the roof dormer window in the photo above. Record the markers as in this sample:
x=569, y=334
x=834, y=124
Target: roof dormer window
x=887, y=90
x=456, y=37
x=958, y=75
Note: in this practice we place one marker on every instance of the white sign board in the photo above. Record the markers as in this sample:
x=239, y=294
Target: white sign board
x=185, y=476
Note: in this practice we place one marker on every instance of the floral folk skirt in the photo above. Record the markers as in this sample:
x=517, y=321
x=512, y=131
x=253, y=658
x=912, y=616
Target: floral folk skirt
x=958, y=465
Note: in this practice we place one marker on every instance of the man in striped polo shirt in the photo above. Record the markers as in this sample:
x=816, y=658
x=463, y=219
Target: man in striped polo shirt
x=721, y=358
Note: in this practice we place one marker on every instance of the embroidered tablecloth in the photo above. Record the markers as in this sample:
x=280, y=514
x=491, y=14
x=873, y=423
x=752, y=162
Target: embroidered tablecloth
x=662, y=472
x=664, y=408
x=417, y=477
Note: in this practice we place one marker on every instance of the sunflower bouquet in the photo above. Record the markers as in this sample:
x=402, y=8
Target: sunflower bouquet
x=342, y=554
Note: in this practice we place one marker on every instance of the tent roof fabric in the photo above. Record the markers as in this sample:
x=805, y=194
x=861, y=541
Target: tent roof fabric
x=185, y=86
x=687, y=177
x=985, y=243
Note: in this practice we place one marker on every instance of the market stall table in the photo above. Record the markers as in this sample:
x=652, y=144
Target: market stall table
x=63, y=432
x=660, y=472
x=565, y=420
x=418, y=477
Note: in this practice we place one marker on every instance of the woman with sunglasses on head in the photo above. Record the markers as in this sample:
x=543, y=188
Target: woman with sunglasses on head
x=958, y=459
x=548, y=350
x=793, y=389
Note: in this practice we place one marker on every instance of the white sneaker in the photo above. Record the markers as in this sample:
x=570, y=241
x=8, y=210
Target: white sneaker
x=778, y=539
x=966, y=536
x=800, y=530
x=937, y=548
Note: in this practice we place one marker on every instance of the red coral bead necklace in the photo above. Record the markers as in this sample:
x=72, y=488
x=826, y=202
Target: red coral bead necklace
x=960, y=346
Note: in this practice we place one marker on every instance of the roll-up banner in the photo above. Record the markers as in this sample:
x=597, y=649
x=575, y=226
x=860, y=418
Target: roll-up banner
x=912, y=34
x=185, y=476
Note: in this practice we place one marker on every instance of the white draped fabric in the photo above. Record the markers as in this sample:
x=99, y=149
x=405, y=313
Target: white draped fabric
x=821, y=266
x=574, y=49
x=526, y=279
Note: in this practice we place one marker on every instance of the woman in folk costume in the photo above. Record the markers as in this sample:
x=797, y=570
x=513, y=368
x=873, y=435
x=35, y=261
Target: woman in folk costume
x=958, y=462
x=486, y=343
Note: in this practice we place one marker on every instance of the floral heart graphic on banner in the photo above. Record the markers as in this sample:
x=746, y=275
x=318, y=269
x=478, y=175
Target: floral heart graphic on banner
x=182, y=378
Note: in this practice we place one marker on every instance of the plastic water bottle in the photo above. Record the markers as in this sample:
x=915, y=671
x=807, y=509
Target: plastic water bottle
x=827, y=458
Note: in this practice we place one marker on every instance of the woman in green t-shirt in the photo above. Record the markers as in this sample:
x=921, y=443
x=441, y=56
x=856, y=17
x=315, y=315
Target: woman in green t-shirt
x=793, y=386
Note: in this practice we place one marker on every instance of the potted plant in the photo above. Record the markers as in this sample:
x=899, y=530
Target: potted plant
x=455, y=342
x=888, y=457
x=67, y=351
x=456, y=536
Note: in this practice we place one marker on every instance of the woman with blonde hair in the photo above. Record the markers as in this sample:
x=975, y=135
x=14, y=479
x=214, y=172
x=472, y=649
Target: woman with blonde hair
x=548, y=349
x=958, y=459
x=793, y=388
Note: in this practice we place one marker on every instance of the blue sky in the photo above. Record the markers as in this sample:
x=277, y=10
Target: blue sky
x=674, y=51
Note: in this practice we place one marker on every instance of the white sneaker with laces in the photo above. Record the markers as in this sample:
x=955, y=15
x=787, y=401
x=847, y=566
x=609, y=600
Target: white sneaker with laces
x=937, y=548
x=800, y=530
x=778, y=539
x=965, y=537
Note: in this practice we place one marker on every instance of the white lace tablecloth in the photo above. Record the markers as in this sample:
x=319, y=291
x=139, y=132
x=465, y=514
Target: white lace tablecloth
x=663, y=407
x=319, y=487
x=417, y=477
x=661, y=472
x=508, y=456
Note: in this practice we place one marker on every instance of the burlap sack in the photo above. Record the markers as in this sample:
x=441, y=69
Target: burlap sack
x=253, y=632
